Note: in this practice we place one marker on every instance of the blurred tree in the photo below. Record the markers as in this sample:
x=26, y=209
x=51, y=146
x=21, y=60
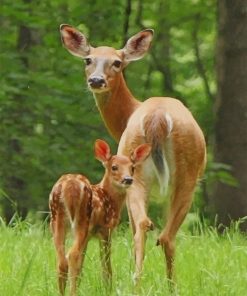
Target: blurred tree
x=49, y=121
x=230, y=202
x=14, y=113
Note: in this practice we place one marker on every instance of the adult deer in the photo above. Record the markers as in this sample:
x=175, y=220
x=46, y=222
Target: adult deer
x=178, y=145
x=91, y=210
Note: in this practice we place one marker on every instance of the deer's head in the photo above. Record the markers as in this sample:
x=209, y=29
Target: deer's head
x=120, y=169
x=103, y=64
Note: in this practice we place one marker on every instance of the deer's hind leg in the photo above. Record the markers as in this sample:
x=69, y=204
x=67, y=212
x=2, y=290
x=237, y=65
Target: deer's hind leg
x=180, y=204
x=58, y=226
x=76, y=257
x=76, y=253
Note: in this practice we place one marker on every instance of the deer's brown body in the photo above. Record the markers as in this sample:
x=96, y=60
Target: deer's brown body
x=75, y=196
x=178, y=145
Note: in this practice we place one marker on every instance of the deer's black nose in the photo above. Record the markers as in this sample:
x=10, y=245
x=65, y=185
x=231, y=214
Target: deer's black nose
x=128, y=180
x=96, y=82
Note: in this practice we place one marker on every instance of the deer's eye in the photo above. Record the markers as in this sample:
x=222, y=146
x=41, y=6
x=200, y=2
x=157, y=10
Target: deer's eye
x=114, y=167
x=117, y=63
x=88, y=61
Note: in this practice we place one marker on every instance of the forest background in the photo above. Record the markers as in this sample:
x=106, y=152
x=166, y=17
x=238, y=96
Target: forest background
x=49, y=120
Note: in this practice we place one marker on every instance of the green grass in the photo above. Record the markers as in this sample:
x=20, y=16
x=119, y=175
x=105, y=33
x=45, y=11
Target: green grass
x=206, y=264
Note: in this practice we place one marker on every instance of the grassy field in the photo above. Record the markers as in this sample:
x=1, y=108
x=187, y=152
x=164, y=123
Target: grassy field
x=206, y=264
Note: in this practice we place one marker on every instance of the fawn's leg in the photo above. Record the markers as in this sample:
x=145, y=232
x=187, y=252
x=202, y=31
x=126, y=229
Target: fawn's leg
x=58, y=226
x=76, y=256
x=105, y=254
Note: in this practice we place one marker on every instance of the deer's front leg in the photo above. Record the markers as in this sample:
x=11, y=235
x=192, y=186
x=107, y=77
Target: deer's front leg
x=140, y=223
x=105, y=254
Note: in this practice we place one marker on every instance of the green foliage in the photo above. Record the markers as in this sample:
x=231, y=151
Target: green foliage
x=200, y=263
x=49, y=121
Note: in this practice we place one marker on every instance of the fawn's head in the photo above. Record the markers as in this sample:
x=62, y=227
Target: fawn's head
x=120, y=169
x=104, y=64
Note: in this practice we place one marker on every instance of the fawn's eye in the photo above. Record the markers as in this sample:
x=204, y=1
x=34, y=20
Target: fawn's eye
x=117, y=63
x=114, y=167
x=88, y=61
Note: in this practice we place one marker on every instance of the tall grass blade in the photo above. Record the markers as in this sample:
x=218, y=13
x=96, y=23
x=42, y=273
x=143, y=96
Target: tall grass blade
x=27, y=273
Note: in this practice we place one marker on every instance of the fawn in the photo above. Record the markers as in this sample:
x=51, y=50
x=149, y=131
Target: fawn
x=91, y=210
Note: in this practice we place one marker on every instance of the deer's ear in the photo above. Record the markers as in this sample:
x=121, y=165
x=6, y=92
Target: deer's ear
x=137, y=46
x=141, y=153
x=102, y=151
x=74, y=41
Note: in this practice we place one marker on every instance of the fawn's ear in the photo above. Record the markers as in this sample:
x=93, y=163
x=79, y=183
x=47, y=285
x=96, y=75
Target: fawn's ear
x=141, y=153
x=102, y=150
x=74, y=41
x=137, y=46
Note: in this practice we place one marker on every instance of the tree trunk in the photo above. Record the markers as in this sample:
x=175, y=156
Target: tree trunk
x=230, y=202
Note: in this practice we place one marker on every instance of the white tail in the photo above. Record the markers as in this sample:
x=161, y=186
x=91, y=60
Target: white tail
x=178, y=145
x=91, y=209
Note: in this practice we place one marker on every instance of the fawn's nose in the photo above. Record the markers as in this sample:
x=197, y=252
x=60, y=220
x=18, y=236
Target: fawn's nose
x=127, y=180
x=96, y=82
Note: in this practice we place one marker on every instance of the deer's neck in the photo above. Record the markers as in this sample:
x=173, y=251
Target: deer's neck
x=116, y=106
x=115, y=195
